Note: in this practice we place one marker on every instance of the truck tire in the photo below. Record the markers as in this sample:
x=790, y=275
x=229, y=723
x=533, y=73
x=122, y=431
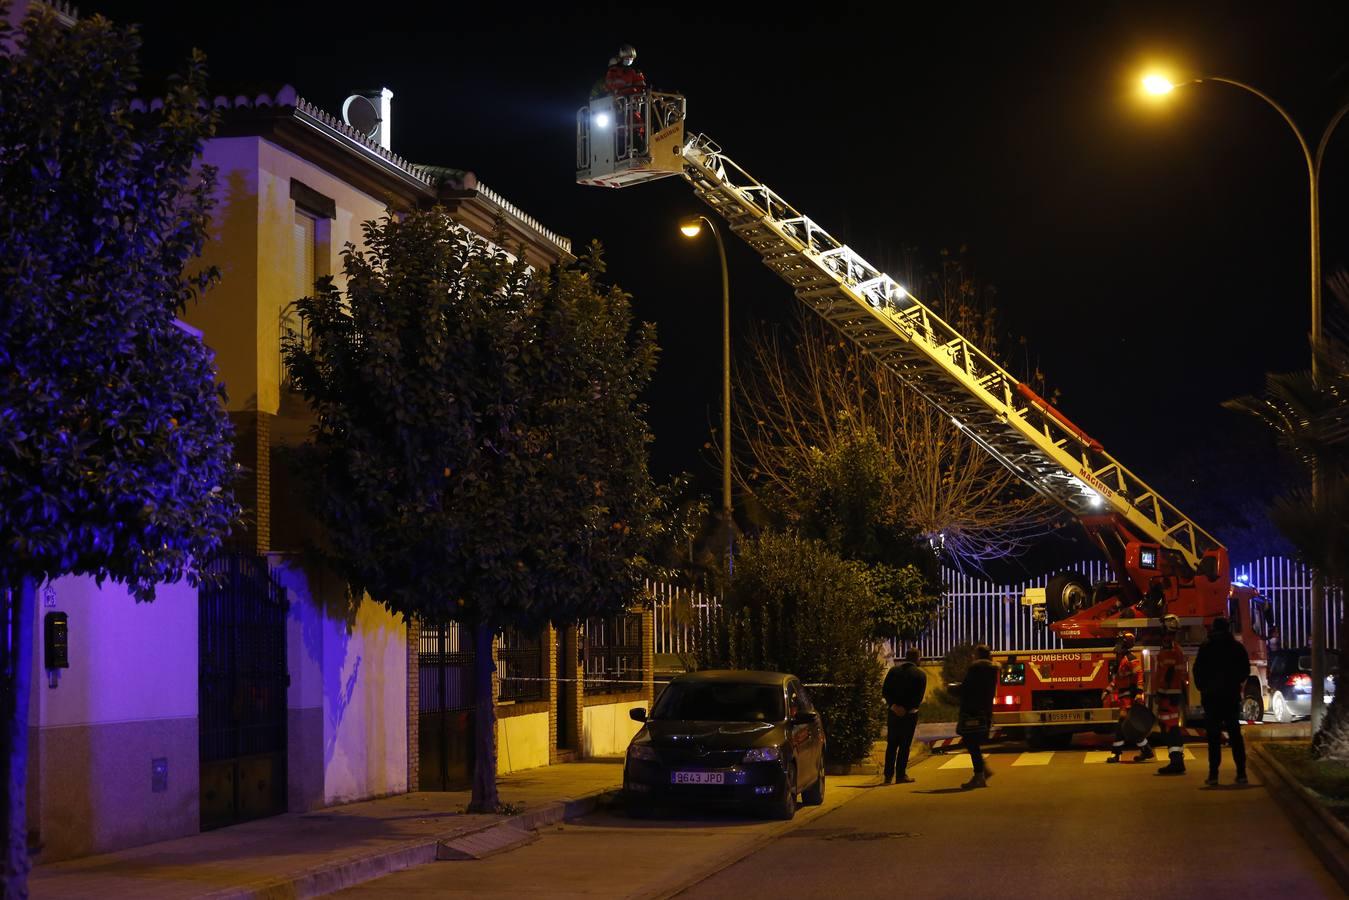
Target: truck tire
x=1066, y=593
x=1252, y=707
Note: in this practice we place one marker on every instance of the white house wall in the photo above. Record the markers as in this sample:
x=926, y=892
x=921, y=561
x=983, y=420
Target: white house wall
x=129, y=698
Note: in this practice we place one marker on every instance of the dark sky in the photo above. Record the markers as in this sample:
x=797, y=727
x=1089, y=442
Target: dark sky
x=1155, y=258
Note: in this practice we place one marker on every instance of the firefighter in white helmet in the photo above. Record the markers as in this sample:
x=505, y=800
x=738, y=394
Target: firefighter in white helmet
x=1169, y=680
x=1127, y=687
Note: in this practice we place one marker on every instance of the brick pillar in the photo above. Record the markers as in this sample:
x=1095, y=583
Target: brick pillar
x=253, y=451
x=649, y=653
x=573, y=670
x=550, y=672
x=414, y=704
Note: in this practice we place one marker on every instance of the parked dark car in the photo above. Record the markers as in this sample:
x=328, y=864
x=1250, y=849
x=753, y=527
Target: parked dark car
x=751, y=740
x=1290, y=682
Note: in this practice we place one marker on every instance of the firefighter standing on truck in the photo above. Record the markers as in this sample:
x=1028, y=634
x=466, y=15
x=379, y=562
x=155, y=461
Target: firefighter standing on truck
x=1169, y=680
x=1127, y=686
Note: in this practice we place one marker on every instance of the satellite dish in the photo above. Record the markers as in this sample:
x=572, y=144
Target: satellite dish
x=362, y=114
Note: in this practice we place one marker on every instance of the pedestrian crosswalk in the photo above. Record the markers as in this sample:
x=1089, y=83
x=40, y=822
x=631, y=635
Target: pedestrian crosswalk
x=1046, y=758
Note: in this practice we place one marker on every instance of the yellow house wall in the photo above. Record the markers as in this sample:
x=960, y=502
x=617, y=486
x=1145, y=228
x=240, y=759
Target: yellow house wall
x=522, y=742
x=607, y=729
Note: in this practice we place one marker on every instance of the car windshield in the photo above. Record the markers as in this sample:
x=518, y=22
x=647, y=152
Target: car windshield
x=720, y=701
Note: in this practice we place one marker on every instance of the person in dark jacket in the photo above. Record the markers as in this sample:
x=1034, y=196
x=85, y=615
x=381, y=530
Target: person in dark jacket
x=1220, y=672
x=903, y=691
x=976, y=711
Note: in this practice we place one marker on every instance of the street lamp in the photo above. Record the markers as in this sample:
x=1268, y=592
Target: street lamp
x=691, y=229
x=1159, y=85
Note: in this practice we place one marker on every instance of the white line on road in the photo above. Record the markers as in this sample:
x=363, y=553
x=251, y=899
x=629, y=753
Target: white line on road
x=962, y=761
x=1033, y=759
x=1096, y=756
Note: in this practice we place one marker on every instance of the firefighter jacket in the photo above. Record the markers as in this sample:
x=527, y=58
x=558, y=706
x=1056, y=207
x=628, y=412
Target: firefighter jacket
x=1171, y=674
x=622, y=80
x=1128, y=682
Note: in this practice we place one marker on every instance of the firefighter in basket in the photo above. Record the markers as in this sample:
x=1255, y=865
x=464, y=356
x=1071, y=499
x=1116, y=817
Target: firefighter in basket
x=1127, y=688
x=1169, y=680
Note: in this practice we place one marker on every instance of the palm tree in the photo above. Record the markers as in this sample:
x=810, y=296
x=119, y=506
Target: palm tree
x=1310, y=417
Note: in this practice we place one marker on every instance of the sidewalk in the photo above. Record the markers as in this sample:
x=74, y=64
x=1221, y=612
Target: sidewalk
x=305, y=854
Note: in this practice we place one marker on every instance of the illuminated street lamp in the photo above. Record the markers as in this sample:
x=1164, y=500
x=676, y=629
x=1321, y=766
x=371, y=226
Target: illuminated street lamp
x=691, y=229
x=1158, y=85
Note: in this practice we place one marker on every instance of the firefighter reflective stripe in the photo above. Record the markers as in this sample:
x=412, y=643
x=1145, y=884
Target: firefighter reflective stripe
x=1128, y=680
x=1171, y=672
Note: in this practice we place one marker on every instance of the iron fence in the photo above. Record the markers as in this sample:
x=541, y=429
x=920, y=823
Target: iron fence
x=613, y=654
x=975, y=609
x=523, y=676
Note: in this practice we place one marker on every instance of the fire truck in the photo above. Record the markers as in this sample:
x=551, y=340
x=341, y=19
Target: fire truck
x=1162, y=562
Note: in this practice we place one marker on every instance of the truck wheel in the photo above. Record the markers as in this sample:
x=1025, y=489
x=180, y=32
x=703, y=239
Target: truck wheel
x=1252, y=709
x=1066, y=593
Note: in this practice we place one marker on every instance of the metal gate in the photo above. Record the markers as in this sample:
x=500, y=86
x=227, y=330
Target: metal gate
x=445, y=704
x=242, y=696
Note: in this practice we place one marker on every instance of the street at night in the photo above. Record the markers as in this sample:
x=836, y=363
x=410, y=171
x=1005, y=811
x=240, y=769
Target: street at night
x=642, y=452
x=1051, y=824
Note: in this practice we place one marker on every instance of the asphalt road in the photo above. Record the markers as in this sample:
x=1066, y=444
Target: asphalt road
x=1060, y=825
x=1054, y=825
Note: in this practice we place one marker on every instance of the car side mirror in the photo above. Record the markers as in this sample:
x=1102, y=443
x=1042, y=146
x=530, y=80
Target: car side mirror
x=637, y=714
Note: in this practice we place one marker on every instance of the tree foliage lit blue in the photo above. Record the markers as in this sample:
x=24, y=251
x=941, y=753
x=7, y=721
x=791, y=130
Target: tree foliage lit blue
x=115, y=452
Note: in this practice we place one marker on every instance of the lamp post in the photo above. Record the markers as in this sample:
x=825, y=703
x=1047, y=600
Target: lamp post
x=1160, y=85
x=691, y=229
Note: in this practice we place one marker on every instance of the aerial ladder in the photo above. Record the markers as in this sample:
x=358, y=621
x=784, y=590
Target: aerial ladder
x=1163, y=562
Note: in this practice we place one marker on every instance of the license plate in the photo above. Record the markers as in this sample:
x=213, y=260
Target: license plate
x=697, y=778
x=1060, y=716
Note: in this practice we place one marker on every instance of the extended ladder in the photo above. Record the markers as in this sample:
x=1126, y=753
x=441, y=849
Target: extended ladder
x=1002, y=415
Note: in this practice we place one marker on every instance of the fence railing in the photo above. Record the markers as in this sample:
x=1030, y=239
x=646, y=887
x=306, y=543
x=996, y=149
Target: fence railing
x=680, y=613
x=977, y=610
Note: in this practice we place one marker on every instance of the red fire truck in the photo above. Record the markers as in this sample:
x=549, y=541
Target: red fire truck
x=1163, y=563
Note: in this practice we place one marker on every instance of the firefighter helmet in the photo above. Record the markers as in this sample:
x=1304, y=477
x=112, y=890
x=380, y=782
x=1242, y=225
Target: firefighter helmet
x=1126, y=641
x=1171, y=622
x=627, y=54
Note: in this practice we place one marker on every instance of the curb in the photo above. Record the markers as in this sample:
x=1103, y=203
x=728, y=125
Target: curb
x=1326, y=835
x=341, y=874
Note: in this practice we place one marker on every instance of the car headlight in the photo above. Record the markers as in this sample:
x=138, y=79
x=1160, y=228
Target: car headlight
x=642, y=751
x=762, y=754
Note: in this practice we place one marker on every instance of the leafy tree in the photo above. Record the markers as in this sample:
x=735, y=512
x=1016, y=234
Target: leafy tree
x=480, y=449
x=1310, y=417
x=795, y=606
x=844, y=496
x=115, y=453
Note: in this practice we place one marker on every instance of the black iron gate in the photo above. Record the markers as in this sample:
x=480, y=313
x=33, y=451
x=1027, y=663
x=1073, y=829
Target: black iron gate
x=445, y=704
x=242, y=697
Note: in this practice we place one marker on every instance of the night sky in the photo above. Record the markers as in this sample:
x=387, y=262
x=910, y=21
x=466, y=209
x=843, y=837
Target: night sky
x=1155, y=257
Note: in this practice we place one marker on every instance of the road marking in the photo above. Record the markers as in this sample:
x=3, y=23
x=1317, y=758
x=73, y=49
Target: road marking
x=1188, y=754
x=1096, y=756
x=962, y=761
x=1033, y=759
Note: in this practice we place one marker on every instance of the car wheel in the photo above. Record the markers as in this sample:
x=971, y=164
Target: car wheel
x=814, y=795
x=1279, y=706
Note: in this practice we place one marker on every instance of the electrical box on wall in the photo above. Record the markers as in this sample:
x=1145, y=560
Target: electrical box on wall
x=56, y=640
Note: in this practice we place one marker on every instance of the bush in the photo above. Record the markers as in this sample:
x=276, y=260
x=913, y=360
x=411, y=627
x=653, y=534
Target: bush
x=794, y=606
x=954, y=665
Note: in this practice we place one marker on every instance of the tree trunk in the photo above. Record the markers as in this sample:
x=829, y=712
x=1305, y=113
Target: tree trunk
x=484, y=798
x=1330, y=738
x=22, y=602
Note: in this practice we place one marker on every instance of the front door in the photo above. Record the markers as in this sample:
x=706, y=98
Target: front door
x=242, y=681
x=445, y=692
